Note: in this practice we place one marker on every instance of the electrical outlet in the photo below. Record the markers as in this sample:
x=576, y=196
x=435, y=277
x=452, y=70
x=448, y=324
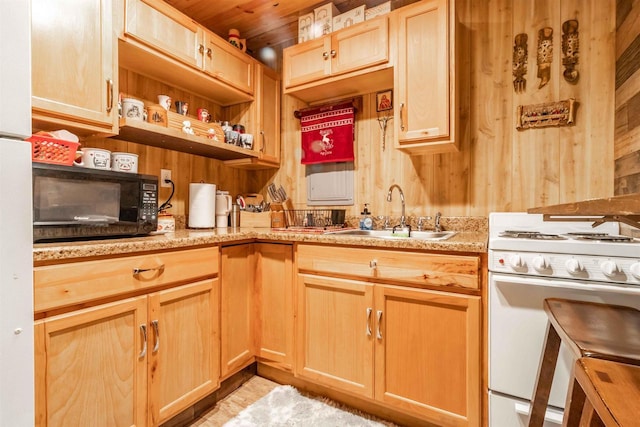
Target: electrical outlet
x=165, y=174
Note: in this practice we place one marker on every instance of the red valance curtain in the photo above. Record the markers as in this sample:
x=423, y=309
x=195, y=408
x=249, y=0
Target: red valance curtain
x=327, y=133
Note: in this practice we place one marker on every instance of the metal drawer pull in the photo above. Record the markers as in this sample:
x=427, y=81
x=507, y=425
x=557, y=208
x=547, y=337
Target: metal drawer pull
x=209, y=52
x=325, y=55
x=378, y=333
x=373, y=263
x=201, y=48
x=156, y=346
x=109, y=95
x=333, y=53
x=143, y=330
x=369, y=310
x=137, y=271
x=401, y=116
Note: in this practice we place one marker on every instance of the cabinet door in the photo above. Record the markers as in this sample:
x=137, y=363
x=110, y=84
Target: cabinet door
x=183, y=348
x=269, y=117
x=422, y=74
x=360, y=46
x=237, y=308
x=428, y=354
x=274, y=326
x=91, y=366
x=306, y=62
x=335, y=337
x=162, y=27
x=73, y=65
x=228, y=64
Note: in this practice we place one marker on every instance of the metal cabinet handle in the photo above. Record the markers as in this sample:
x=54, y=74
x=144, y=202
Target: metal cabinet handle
x=325, y=55
x=369, y=311
x=156, y=330
x=143, y=331
x=209, y=52
x=263, y=141
x=201, y=49
x=401, y=116
x=373, y=263
x=159, y=268
x=109, y=95
x=333, y=53
x=378, y=332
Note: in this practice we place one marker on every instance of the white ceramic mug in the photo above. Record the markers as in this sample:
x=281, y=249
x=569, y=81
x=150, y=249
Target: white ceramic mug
x=132, y=109
x=124, y=162
x=93, y=158
x=165, y=101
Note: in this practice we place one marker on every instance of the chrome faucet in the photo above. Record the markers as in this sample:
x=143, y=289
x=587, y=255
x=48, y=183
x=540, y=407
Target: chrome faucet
x=438, y=227
x=402, y=218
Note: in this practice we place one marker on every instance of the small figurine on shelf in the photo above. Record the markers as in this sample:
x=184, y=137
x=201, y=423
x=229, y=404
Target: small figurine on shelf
x=186, y=127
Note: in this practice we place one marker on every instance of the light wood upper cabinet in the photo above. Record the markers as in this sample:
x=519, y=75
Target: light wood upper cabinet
x=426, y=79
x=237, y=314
x=74, y=71
x=264, y=115
x=275, y=300
x=228, y=63
x=91, y=366
x=184, y=363
x=162, y=27
x=322, y=68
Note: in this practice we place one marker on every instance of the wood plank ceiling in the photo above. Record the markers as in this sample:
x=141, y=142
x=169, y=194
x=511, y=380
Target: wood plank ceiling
x=263, y=23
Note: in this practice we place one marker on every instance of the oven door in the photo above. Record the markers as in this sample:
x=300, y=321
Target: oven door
x=517, y=330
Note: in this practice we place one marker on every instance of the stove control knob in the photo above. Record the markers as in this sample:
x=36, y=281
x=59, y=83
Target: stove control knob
x=573, y=266
x=540, y=263
x=609, y=268
x=635, y=270
x=515, y=261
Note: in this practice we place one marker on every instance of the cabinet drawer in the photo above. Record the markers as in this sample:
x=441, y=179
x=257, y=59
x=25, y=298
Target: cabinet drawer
x=63, y=285
x=413, y=268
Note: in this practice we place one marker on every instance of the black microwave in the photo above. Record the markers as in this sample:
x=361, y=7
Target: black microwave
x=75, y=203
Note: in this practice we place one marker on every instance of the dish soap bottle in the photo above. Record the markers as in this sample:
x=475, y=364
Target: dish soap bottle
x=366, y=222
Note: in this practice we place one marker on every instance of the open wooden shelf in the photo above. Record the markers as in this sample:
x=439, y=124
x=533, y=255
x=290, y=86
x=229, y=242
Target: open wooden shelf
x=172, y=139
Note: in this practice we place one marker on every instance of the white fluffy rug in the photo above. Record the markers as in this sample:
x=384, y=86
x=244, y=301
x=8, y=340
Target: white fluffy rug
x=284, y=406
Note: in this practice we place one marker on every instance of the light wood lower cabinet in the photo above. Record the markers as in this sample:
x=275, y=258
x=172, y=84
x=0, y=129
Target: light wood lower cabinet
x=237, y=313
x=275, y=304
x=131, y=361
x=416, y=350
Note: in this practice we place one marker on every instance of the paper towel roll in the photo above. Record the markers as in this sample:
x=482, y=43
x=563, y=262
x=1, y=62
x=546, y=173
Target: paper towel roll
x=202, y=205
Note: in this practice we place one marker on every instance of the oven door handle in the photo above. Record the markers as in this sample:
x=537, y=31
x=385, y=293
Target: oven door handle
x=614, y=288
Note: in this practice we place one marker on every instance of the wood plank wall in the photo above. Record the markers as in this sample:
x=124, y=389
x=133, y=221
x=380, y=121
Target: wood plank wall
x=627, y=116
x=498, y=168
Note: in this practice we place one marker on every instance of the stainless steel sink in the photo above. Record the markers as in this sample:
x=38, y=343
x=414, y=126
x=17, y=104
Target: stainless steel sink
x=389, y=234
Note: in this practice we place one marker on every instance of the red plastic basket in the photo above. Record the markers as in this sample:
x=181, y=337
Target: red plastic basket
x=45, y=149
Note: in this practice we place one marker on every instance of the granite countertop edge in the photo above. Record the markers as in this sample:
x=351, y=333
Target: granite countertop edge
x=463, y=241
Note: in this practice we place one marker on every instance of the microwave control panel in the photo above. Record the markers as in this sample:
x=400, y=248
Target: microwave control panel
x=149, y=208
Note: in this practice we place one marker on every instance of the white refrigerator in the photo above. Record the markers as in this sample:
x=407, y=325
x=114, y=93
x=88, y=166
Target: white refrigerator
x=16, y=247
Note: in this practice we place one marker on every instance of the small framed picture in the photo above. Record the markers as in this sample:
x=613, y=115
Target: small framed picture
x=384, y=100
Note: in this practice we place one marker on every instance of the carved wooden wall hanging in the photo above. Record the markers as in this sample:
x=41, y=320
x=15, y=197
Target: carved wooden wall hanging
x=560, y=113
x=545, y=55
x=520, y=58
x=570, y=48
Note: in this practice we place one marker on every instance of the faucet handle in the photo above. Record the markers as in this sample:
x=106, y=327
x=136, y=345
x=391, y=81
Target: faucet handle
x=386, y=221
x=421, y=221
x=438, y=227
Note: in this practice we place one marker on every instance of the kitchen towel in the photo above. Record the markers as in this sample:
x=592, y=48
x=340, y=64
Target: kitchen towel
x=202, y=205
x=327, y=133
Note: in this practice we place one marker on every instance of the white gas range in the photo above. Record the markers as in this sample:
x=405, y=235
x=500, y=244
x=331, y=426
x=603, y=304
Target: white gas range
x=530, y=260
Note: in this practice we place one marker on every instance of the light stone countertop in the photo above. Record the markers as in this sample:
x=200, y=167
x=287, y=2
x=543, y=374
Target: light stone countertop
x=464, y=241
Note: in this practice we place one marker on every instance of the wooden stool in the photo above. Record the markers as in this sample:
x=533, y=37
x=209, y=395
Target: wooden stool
x=600, y=331
x=610, y=392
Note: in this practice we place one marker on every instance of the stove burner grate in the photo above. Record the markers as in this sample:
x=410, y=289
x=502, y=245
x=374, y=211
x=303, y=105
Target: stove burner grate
x=608, y=238
x=533, y=235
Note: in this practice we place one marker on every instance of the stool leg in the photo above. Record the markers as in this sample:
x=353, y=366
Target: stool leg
x=575, y=403
x=545, y=377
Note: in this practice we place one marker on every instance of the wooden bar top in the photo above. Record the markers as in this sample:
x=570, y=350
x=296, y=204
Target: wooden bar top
x=628, y=204
x=597, y=330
